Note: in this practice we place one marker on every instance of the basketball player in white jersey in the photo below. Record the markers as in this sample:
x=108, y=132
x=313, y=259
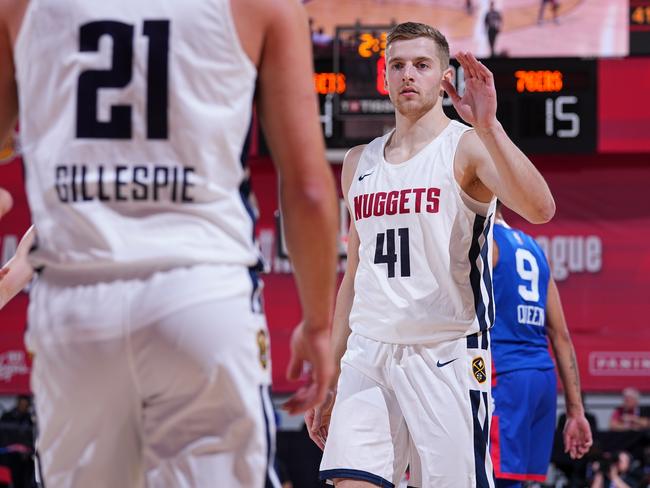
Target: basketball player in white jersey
x=415, y=305
x=151, y=359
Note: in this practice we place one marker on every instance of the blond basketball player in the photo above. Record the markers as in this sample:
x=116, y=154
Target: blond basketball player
x=150, y=343
x=415, y=305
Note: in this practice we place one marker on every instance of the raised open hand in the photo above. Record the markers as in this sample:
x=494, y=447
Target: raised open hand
x=478, y=105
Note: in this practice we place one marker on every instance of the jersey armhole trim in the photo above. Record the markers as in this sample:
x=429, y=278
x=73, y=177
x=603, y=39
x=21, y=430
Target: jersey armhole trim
x=473, y=205
x=355, y=176
x=238, y=47
x=20, y=36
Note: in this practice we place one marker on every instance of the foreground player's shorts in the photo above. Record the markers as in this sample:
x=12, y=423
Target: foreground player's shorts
x=523, y=424
x=426, y=407
x=157, y=382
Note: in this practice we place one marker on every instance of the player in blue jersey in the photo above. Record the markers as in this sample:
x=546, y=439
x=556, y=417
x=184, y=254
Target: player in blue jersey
x=529, y=315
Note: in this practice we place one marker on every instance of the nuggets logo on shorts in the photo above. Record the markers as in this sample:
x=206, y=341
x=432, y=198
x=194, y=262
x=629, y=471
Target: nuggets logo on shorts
x=478, y=368
x=263, y=345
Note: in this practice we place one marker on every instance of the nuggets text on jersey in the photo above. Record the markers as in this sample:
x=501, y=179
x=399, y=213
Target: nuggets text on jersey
x=396, y=202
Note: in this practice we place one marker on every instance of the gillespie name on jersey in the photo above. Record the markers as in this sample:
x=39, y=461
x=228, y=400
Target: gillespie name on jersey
x=145, y=182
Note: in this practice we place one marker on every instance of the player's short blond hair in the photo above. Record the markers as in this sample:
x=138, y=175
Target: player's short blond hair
x=413, y=30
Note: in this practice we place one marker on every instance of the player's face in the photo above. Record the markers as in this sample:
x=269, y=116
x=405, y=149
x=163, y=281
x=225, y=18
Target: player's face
x=413, y=75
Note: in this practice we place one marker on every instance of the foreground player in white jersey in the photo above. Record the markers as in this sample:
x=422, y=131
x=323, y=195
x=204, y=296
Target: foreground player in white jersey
x=150, y=358
x=415, y=305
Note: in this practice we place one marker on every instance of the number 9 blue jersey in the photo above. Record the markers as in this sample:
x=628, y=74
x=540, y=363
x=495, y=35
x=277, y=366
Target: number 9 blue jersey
x=521, y=278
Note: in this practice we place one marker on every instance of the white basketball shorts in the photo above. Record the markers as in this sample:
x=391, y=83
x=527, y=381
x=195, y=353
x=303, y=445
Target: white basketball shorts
x=427, y=407
x=158, y=382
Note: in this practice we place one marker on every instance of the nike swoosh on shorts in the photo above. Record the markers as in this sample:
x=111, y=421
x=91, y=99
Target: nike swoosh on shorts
x=440, y=365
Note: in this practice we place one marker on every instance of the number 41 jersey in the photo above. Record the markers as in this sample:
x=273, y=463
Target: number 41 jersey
x=425, y=254
x=133, y=118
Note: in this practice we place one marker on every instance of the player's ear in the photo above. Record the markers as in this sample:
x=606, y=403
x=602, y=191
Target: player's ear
x=448, y=75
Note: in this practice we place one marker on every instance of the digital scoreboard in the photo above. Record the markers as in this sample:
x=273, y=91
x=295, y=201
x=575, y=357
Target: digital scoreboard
x=639, y=22
x=545, y=105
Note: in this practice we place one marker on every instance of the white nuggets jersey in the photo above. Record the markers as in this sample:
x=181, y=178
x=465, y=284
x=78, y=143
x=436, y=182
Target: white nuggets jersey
x=425, y=255
x=134, y=116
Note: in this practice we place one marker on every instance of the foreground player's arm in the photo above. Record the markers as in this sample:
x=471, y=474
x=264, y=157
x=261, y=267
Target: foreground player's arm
x=345, y=296
x=577, y=433
x=17, y=272
x=288, y=110
x=317, y=419
x=488, y=162
x=8, y=89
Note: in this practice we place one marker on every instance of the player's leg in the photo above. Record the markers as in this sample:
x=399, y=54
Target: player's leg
x=523, y=425
x=510, y=434
x=345, y=483
x=367, y=443
x=501, y=483
x=542, y=429
x=444, y=393
x=86, y=402
x=204, y=373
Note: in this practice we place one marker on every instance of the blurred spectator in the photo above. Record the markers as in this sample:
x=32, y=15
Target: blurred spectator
x=320, y=38
x=18, y=443
x=469, y=8
x=628, y=415
x=613, y=471
x=493, y=23
x=555, y=7
x=644, y=469
x=21, y=414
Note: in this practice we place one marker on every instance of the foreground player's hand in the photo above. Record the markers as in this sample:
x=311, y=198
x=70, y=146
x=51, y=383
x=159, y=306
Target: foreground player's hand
x=309, y=349
x=478, y=105
x=317, y=420
x=6, y=202
x=577, y=436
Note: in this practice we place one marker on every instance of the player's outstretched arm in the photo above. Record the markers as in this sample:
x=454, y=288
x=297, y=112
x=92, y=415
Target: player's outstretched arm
x=577, y=432
x=8, y=88
x=489, y=161
x=17, y=272
x=317, y=419
x=288, y=110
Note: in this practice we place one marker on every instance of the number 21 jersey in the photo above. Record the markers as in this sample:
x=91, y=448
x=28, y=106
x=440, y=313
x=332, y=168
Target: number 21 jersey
x=133, y=120
x=425, y=253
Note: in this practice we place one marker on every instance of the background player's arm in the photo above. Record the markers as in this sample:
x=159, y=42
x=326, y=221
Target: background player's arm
x=487, y=162
x=17, y=272
x=8, y=89
x=317, y=420
x=577, y=433
x=275, y=35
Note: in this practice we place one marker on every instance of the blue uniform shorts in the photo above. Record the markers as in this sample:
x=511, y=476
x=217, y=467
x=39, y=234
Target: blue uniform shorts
x=523, y=424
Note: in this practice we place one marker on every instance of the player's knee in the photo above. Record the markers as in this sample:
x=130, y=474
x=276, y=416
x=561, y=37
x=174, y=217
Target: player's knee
x=348, y=483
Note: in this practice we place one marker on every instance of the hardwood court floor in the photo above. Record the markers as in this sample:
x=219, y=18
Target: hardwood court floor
x=585, y=28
